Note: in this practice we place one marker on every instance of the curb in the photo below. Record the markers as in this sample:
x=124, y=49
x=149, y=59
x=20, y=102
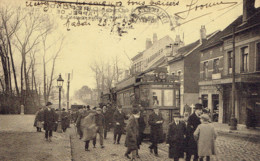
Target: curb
x=238, y=134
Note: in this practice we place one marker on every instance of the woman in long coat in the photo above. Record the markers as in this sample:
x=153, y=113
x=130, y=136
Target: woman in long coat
x=205, y=136
x=131, y=140
x=175, y=139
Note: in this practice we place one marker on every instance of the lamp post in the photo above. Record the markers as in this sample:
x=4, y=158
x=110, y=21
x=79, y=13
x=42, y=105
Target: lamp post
x=59, y=85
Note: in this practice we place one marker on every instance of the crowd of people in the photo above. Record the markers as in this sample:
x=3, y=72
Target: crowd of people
x=190, y=135
x=47, y=118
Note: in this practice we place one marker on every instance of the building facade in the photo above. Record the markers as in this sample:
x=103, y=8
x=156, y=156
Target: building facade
x=216, y=68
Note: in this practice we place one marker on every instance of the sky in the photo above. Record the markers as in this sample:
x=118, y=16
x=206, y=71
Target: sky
x=86, y=44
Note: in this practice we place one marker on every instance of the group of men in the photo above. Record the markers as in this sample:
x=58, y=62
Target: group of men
x=47, y=118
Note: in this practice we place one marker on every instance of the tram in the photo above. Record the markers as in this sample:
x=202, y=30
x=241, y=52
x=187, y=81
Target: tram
x=147, y=89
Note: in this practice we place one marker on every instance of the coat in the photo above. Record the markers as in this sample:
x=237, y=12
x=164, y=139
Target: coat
x=132, y=133
x=49, y=118
x=190, y=143
x=156, y=131
x=88, y=126
x=175, y=139
x=64, y=120
x=119, y=118
x=206, y=136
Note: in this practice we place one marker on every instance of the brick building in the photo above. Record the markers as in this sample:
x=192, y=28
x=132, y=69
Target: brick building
x=184, y=65
x=216, y=68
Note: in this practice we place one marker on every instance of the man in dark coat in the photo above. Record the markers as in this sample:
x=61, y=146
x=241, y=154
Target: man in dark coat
x=119, y=117
x=49, y=121
x=100, y=121
x=193, y=122
x=131, y=140
x=64, y=120
x=155, y=121
x=175, y=139
x=107, y=117
x=142, y=125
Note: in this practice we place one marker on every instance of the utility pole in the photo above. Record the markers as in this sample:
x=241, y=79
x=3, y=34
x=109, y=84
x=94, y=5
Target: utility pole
x=68, y=92
x=233, y=120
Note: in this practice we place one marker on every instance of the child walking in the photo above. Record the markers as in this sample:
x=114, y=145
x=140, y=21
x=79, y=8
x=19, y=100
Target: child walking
x=205, y=135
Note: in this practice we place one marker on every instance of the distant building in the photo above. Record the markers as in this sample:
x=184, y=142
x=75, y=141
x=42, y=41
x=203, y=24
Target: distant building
x=155, y=54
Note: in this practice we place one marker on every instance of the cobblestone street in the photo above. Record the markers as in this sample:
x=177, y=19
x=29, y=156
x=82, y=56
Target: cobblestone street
x=229, y=148
x=19, y=141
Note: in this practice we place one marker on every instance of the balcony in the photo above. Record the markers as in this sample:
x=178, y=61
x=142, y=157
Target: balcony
x=216, y=75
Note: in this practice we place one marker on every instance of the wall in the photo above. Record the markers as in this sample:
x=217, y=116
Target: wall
x=191, y=72
x=247, y=38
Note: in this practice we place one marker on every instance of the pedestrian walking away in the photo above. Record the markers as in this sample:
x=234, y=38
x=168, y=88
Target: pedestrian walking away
x=205, y=135
x=119, y=117
x=38, y=120
x=49, y=121
x=131, y=140
x=155, y=121
x=100, y=121
x=193, y=122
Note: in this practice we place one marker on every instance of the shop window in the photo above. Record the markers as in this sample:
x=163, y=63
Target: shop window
x=168, y=98
x=245, y=59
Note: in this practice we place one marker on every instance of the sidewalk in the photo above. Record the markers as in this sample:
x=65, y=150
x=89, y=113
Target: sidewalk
x=19, y=141
x=241, y=131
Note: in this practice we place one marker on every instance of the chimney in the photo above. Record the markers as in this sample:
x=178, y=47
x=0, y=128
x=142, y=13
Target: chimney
x=203, y=35
x=248, y=9
x=154, y=37
x=178, y=39
x=148, y=43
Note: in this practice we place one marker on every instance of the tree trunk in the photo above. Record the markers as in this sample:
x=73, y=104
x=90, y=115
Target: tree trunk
x=44, y=81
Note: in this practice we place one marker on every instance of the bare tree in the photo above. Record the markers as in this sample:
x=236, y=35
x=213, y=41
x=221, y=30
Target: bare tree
x=10, y=20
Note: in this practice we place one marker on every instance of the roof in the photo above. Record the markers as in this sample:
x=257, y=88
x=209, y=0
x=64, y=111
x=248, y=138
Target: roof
x=228, y=31
x=187, y=49
x=137, y=56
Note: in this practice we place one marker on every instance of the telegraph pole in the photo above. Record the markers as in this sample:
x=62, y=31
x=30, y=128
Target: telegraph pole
x=68, y=92
x=233, y=120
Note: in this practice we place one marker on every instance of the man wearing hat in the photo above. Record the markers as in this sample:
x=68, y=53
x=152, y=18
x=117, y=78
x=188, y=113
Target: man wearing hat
x=49, y=120
x=193, y=122
x=155, y=121
x=119, y=117
x=100, y=122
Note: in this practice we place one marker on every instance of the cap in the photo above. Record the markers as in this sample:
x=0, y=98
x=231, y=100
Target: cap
x=48, y=103
x=135, y=110
x=205, y=117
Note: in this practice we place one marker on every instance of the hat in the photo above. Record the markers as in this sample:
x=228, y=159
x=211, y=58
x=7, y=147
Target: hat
x=88, y=107
x=198, y=106
x=135, y=111
x=48, y=103
x=205, y=117
x=99, y=109
x=94, y=108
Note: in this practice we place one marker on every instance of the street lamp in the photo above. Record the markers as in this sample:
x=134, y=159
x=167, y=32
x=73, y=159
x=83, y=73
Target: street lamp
x=59, y=85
